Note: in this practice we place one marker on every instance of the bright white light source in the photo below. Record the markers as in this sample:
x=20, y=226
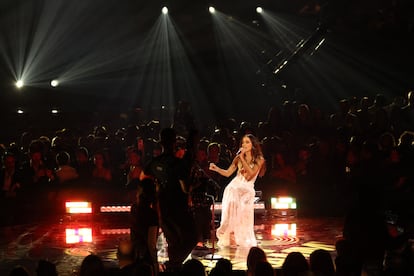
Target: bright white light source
x=211, y=9
x=164, y=10
x=259, y=10
x=19, y=83
x=54, y=111
x=54, y=83
x=20, y=111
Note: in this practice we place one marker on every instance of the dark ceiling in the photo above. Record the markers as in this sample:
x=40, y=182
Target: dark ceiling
x=375, y=34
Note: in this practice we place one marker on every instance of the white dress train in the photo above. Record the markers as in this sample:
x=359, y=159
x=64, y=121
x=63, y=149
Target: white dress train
x=237, y=213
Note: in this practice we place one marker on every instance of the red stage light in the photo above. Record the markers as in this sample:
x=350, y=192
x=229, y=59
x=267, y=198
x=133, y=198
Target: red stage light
x=78, y=207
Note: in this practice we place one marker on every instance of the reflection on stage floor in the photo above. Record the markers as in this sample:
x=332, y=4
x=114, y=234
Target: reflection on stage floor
x=68, y=239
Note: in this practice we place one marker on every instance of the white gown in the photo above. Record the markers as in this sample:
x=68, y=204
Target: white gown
x=237, y=213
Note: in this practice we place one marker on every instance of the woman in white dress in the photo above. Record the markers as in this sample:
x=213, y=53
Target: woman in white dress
x=237, y=209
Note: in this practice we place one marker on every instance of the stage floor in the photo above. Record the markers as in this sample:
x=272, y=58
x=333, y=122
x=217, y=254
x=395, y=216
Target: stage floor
x=67, y=240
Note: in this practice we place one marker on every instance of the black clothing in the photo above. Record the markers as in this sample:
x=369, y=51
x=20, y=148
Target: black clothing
x=176, y=219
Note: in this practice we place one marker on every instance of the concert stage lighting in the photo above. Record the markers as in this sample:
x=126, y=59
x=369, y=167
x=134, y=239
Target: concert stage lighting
x=78, y=207
x=164, y=10
x=54, y=83
x=211, y=9
x=115, y=209
x=19, y=83
x=283, y=206
x=284, y=230
x=259, y=10
x=78, y=235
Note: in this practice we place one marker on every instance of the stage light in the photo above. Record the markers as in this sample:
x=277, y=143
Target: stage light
x=77, y=207
x=54, y=83
x=19, y=83
x=116, y=209
x=78, y=235
x=283, y=206
x=259, y=10
x=116, y=231
x=164, y=10
x=284, y=230
x=211, y=9
x=20, y=111
x=54, y=111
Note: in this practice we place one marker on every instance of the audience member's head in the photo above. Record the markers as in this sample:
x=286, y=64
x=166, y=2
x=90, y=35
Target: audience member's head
x=125, y=252
x=255, y=256
x=46, y=268
x=223, y=267
x=193, y=267
x=91, y=265
x=264, y=269
x=19, y=271
x=295, y=264
x=321, y=263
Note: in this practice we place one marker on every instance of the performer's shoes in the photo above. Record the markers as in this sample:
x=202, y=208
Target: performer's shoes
x=201, y=251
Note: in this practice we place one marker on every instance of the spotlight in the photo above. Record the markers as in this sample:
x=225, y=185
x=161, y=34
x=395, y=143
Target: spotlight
x=259, y=10
x=54, y=83
x=164, y=10
x=20, y=111
x=19, y=83
x=54, y=111
x=211, y=9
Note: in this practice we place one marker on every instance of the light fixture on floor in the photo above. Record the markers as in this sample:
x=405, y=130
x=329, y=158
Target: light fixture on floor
x=283, y=206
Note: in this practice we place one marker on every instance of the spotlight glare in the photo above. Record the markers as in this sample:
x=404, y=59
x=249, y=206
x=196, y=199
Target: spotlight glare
x=164, y=10
x=54, y=83
x=259, y=10
x=211, y=9
x=20, y=111
x=19, y=83
x=54, y=111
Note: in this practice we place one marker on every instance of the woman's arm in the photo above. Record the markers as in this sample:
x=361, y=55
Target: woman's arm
x=230, y=170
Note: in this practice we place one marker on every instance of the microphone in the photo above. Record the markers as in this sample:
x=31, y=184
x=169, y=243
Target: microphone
x=239, y=151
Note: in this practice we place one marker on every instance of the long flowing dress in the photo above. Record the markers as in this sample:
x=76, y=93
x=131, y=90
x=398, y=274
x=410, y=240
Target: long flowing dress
x=237, y=213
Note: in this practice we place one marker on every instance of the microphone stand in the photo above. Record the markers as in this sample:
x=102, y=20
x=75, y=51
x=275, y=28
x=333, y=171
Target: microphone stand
x=212, y=256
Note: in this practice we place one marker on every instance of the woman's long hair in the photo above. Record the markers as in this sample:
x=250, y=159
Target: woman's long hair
x=256, y=151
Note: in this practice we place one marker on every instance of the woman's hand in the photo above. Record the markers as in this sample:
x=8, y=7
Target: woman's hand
x=212, y=167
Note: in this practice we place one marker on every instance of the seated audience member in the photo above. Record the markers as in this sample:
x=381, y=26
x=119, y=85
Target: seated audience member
x=264, y=269
x=65, y=172
x=321, y=263
x=255, y=255
x=193, y=267
x=46, y=268
x=83, y=166
x=126, y=257
x=92, y=265
x=295, y=264
x=10, y=180
x=19, y=271
x=101, y=173
x=223, y=267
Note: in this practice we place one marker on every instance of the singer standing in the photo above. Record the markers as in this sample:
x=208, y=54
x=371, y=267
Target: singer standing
x=237, y=211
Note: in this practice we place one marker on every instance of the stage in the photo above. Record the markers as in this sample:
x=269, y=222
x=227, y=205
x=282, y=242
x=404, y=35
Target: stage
x=67, y=239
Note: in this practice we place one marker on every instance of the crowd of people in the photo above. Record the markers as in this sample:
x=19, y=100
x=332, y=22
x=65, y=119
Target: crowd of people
x=354, y=162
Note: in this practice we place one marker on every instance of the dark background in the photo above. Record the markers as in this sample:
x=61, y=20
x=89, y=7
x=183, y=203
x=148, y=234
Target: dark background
x=367, y=50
